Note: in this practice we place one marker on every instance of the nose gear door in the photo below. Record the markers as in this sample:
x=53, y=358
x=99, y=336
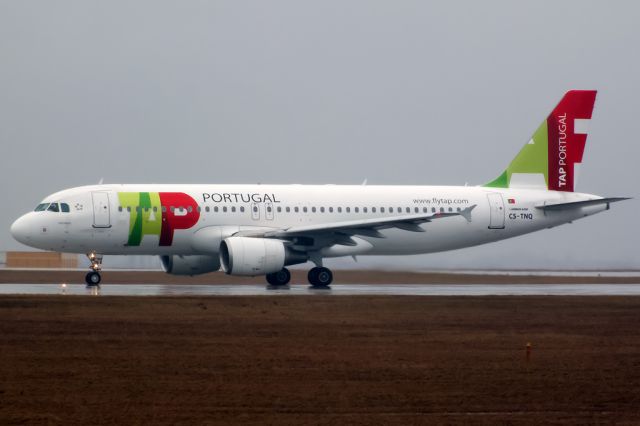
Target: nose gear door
x=496, y=210
x=101, y=210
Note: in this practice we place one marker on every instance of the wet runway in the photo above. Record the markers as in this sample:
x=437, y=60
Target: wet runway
x=336, y=290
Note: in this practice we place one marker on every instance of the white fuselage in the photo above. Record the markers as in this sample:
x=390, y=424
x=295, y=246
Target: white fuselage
x=100, y=219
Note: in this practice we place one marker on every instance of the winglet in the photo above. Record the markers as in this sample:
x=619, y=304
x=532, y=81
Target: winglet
x=466, y=213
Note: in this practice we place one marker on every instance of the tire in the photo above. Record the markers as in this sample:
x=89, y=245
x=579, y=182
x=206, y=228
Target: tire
x=312, y=276
x=93, y=278
x=320, y=277
x=324, y=277
x=282, y=277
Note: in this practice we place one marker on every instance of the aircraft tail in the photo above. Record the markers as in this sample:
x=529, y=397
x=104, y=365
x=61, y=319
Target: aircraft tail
x=550, y=159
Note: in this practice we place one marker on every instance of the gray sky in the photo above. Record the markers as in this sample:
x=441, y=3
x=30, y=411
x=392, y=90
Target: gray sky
x=399, y=92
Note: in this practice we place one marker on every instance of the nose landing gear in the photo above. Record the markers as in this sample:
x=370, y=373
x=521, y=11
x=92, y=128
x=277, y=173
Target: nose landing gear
x=93, y=278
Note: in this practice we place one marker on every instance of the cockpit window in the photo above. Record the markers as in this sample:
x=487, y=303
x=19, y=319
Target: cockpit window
x=53, y=207
x=41, y=207
x=64, y=207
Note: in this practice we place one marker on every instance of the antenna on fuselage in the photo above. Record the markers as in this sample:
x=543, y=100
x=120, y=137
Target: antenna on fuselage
x=364, y=182
x=100, y=181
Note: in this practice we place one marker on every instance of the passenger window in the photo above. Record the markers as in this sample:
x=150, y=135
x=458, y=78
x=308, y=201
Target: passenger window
x=296, y=209
x=269, y=209
x=164, y=209
x=304, y=209
x=233, y=209
x=425, y=210
x=441, y=209
x=450, y=209
x=207, y=209
x=339, y=209
x=279, y=209
x=321, y=209
x=190, y=209
x=433, y=209
x=255, y=209
x=459, y=209
x=373, y=209
x=155, y=209
x=416, y=210
x=408, y=210
x=119, y=208
x=390, y=209
x=381, y=209
x=215, y=209
x=348, y=209
x=364, y=209
x=313, y=209
x=288, y=209
x=330, y=209
x=242, y=209
x=64, y=207
x=129, y=209
x=224, y=209
x=356, y=209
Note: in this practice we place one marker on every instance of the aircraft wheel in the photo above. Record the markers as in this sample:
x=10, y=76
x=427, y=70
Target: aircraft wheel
x=320, y=277
x=93, y=278
x=280, y=278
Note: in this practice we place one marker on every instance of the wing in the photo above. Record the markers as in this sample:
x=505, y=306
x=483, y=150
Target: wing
x=327, y=234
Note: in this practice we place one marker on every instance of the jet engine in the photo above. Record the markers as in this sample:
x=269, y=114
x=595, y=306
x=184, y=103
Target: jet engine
x=189, y=265
x=256, y=256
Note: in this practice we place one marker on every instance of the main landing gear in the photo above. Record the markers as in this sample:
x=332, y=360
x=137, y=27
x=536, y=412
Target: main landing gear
x=93, y=277
x=319, y=277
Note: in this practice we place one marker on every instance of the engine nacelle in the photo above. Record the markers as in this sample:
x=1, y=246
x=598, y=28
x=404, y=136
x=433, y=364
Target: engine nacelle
x=189, y=265
x=256, y=256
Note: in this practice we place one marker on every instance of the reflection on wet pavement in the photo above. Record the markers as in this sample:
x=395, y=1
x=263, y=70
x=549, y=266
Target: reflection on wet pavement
x=336, y=290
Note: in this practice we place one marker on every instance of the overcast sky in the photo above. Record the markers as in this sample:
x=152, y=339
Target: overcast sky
x=398, y=92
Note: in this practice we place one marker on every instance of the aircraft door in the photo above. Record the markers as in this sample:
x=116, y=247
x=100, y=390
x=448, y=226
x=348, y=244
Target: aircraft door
x=496, y=210
x=255, y=211
x=268, y=207
x=101, y=210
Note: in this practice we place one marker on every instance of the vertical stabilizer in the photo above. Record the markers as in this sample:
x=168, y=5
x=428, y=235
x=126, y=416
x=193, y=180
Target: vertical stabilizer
x=550, y=157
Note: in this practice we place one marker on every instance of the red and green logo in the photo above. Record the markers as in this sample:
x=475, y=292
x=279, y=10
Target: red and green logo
x=158, y=213
x=555, y=149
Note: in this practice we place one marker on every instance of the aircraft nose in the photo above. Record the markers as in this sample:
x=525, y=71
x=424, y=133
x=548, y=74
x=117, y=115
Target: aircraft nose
x=20, y=230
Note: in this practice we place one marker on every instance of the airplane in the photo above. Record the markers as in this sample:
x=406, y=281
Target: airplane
x=256, y=230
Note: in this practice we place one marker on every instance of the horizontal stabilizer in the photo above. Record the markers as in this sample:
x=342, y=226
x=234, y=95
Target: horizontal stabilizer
x=577, y=204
